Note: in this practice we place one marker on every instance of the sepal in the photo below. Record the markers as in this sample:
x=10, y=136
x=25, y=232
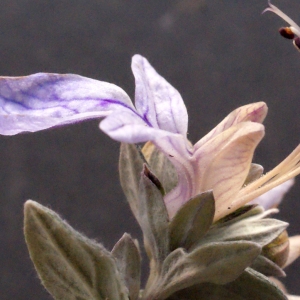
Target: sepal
x=261, y=231
x=267, y=267
x=218, y=263
x=153, y=218
x=192, y=221
x=128, y=259
x=69, y=265
x=130, y=168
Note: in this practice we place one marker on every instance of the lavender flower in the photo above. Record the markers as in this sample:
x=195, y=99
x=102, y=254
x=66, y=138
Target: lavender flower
x=220, y=161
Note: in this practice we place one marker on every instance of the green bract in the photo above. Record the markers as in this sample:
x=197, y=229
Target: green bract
x=191, y=256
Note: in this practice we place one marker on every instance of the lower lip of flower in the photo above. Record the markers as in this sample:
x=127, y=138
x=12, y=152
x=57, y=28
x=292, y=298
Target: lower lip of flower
x=287, y=169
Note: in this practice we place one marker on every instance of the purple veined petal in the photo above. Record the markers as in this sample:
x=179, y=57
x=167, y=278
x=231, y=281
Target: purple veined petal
x=40, y=101
x=127, y=126
x=273, y=197
x=156, y=100
x=255, y=112
x=225, y=162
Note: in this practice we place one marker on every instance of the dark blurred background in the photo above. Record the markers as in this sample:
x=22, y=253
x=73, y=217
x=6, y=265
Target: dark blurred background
x=218, y=54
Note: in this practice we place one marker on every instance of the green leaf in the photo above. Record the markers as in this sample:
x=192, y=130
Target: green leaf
x=161, y=166
x=267, y=267
x=130, y=168
x=261, y=231
x=154, y=219
x=70, y=266
x=224, y=262
x=251, y=285
x=192, y=221
x=128, y=260
x=217, y=263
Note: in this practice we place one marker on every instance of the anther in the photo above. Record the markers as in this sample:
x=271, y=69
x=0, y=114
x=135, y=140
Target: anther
x=286, y=32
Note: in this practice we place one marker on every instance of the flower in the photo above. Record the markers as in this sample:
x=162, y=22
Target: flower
x=220, y=161
x=292, y=32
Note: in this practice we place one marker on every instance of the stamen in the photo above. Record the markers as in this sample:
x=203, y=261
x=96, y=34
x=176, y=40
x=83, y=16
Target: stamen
x=294, y=27
x=286, y=170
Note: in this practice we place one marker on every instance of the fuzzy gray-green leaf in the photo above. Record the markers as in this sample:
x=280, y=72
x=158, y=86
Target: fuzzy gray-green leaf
x=267, y=267
x=130, y=168
x=254, y=285
x=172, y=260
x=70, y=266
x=261, y=231
x=192, y=221
x=251, y=285
x=218, y=263
x=128, y=260
x=225, y=261
x=154, y=219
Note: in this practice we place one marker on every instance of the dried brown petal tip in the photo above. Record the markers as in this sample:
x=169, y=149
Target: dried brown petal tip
x=153, y=178
x=286, y=32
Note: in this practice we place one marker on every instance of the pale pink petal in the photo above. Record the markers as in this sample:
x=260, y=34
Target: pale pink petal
x=293, y=297
x=255, y=112
x=230, y=156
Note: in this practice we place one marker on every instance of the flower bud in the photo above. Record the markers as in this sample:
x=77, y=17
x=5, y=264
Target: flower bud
x=278, y=250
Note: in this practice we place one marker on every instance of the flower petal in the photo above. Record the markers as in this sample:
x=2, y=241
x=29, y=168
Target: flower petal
x=41, y=101
x=156, y=100
x=255, y=112
x=127, y=126
x=226, y=171
x=273, y=197
x=293, y=297
x=287, y=169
